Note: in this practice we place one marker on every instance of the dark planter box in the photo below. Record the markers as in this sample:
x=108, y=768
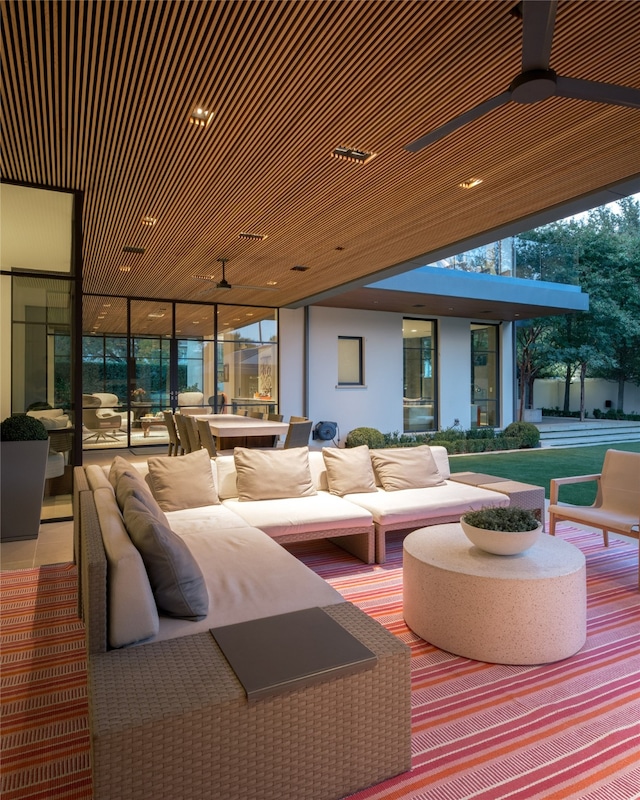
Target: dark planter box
x=22, y=470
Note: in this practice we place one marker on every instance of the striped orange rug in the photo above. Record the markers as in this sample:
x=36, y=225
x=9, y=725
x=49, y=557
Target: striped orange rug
x=485, y=731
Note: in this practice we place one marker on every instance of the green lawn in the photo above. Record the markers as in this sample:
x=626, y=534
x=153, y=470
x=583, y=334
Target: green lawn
x=540, y=465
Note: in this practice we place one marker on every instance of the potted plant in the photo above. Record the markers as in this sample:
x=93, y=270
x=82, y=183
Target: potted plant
x=501, y=531
x=24, y=448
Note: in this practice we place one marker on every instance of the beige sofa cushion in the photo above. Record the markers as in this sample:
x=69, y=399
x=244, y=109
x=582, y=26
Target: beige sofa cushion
x=272, y=474
x=185, y=482
x=97, y=478
x=249, y=576
x=321, y=512
x=133, y=615
x=349, y=470
x=176, y=579
x=419, y=505
x=406, y=468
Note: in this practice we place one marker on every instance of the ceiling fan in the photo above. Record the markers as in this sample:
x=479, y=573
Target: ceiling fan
x=224, y=283
x=537, y=81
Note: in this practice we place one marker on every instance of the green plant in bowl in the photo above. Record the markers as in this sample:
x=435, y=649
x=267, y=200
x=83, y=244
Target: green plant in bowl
x=502, y=531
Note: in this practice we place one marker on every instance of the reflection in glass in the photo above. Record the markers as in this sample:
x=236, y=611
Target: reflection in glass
x=420, y=373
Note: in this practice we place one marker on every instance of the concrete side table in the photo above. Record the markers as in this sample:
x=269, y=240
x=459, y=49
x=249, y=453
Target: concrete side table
x=529, y=608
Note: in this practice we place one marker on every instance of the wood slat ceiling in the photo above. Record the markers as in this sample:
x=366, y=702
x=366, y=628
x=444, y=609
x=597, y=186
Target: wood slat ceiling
x=96, y=96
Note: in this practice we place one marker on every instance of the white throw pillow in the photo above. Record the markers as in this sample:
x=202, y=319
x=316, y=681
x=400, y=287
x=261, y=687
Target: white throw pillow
x=185, y=482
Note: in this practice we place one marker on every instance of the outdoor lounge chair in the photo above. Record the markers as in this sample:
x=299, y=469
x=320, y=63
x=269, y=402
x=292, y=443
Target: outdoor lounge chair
x=617, y=504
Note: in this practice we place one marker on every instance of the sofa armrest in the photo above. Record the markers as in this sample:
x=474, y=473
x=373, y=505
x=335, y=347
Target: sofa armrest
x=556, y=483
x=180, y=703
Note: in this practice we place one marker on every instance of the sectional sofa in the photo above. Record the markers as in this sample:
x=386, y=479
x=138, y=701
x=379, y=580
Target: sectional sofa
x=170, y=549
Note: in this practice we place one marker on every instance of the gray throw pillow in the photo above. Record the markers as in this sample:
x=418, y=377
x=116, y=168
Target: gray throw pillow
x=134, y=485
x=176, y=580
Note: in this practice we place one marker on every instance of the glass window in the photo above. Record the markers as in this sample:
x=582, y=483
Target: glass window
x=485, y=376
x=419, y=398
x=247, y=359
x=350, y=367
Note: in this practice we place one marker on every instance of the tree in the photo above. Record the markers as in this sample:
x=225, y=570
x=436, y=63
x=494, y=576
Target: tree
x=602, y=254
x=534, y=357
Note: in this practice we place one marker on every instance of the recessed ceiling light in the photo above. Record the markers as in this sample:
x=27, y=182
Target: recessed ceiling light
x=272, y=283
x=352, y=154
x=470, y=183
x=156, y=315
x=299, y=269
x=106, y=305
x=247, y=235
x=125, y=269
x=200, y=117
x=129, y=249
x=249, y=315
x=516, y=315
x=150, y=221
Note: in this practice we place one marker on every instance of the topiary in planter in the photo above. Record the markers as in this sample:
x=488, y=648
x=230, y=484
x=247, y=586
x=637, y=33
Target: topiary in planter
x=369, y=436
x=525, y=432
x=22, y=428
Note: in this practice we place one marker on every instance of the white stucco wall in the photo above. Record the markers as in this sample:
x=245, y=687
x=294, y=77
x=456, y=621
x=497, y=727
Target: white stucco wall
x=291, y=362
x=377, y=404
x=454, y=364
x=549, y=393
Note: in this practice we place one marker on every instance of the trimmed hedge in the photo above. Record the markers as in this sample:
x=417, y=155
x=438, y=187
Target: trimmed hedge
x=454, y=440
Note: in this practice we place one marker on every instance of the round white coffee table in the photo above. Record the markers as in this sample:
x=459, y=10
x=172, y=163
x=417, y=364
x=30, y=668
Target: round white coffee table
x=529, y=608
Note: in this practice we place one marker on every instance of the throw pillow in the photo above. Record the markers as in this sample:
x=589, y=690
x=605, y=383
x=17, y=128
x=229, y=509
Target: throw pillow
x=410, y=468
x=185, y=482
x=273, y=474
x=349, y=471
x=119, y=466
x=176, y=580
x=133, y=485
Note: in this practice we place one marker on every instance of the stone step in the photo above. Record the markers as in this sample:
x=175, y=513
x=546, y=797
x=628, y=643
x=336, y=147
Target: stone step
x=573, y=434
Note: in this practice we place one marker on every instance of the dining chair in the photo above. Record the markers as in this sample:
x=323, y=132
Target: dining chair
x=256, y=414
x=206, y=437
x=297, y=419
x=617, y=505
x=185, y=428
x=298, y=434
x=275, y=417
x=175, y=447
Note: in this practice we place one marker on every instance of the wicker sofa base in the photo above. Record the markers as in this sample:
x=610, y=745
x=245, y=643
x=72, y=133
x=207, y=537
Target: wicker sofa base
x=171, y=720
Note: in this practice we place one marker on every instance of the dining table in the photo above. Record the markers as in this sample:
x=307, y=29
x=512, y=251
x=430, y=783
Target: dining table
x=235, y=430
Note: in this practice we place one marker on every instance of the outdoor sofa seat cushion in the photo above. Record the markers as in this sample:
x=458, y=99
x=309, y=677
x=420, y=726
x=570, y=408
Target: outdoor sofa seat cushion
x=300, y=515
x=248, y=576
x=411, y=505
x=204, y=520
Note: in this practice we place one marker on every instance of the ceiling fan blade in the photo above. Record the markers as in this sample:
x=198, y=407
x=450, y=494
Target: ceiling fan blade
x=538, y=20
x=610, y=93
x=458, y=122
x=261, y=288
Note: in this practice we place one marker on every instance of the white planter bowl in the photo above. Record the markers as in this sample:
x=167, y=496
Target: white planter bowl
x=501, y=543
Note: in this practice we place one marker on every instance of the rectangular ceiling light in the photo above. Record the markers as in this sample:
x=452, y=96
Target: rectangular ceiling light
x=129, y=249
x=257, y=236
x=200, y=117
x=351, y=154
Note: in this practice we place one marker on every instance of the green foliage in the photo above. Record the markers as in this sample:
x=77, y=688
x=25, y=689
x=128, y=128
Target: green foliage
x=511, y=519
x=22, y=428
x=369, y=436
x=525, y=432
x=615, y=413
